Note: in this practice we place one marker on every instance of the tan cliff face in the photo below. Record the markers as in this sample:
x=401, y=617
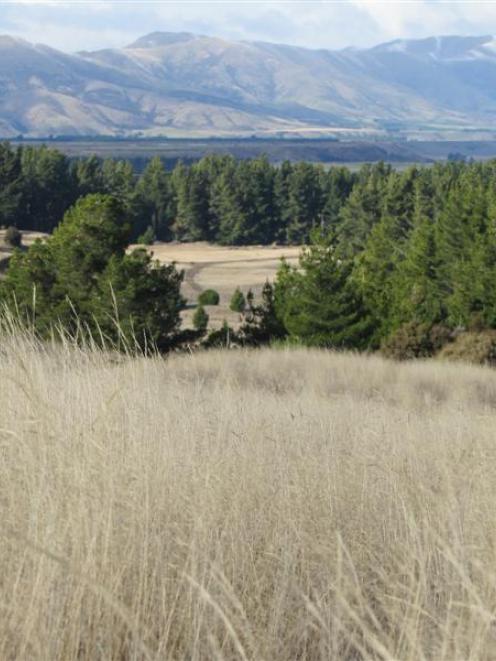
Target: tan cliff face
x=170, y=84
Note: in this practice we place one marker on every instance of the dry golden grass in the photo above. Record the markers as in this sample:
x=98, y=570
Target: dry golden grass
x=268, y=505
x=223, y=268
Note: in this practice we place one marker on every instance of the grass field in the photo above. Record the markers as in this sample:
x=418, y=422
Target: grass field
x=223, y=269
x=274, y=505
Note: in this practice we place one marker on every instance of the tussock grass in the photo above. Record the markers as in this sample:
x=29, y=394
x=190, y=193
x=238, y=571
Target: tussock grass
x=269, y=505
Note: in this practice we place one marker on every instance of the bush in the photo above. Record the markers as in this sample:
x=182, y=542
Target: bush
x=238, y=301
x=414, y=340
x=262, y=324
x=222, y=338
x=148, y=237
x=200, y=319
x=472, y=347
x=209, y=297
x=13, y=237
x=439, y=337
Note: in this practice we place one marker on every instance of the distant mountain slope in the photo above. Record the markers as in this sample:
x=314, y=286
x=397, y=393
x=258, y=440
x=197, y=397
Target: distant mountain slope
x=168, y=83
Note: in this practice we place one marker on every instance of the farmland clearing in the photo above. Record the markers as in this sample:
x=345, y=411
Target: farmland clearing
x=223, y=268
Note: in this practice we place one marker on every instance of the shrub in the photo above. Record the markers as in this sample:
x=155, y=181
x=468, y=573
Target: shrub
x=209, y=297
x=148, y=237
x=440, y=336
x=472, y=347
x=13, y=237
x=238, y=301
x=262, y=324
x=200, y=318
x=414, y=340
x=222, y=338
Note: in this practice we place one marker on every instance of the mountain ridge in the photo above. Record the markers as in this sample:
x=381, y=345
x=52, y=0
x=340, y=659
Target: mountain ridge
x=175, y=84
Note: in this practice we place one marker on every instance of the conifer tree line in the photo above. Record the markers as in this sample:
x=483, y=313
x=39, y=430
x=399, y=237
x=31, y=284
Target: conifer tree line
x=410, y=262
x=390, y=254
x=217, y=199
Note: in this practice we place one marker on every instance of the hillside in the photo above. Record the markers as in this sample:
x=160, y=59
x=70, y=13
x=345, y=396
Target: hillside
x=267, y=505
x=185, y=84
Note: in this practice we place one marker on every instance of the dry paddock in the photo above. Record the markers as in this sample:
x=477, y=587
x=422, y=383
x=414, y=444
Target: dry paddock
x=223, y=268
x=260, y=506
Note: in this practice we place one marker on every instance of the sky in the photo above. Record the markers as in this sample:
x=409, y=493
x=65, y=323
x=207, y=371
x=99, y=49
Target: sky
x=73, y=25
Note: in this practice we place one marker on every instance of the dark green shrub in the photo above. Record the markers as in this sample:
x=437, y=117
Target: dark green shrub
x=209, y=297
x=238, y=301
x=261, y=322
x=200, y=319
x=13, y=237
x=222, y=338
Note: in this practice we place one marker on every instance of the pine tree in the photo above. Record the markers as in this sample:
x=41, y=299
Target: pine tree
x=226, y=203
x=118, y=180
x=399, y=200
x=321, y=307
x=489, y=262
x=10, y=185
x=200, y=319
x=262, y=324
x=89, y=176
x=305, y=202
x=460, y=235
x=192, y=190
x=337, y=187
x=48, y=188
x=136, y=302
x=255, y=181
x=362, y=211
x=418, y=294
x=154, y=206
x=238, y=301
x=373, y=274
x=282, y=211
x=82, y=278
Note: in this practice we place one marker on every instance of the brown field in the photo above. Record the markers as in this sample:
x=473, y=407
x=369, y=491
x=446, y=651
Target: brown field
x=273, y=505
x=223, y=268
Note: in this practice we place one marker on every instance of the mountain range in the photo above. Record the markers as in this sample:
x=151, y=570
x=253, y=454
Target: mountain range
x=184, y=84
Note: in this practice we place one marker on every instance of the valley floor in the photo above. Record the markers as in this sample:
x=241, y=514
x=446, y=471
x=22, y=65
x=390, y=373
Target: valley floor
x=245, y=505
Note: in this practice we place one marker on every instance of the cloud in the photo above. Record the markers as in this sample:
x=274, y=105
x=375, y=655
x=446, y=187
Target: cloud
x=89, y=24
x=421, y=18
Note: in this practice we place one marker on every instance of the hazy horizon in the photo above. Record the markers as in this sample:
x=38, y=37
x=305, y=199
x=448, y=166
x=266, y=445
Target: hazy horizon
x=140, y=36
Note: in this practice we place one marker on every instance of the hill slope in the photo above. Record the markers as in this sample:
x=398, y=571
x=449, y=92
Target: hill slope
x=167, y=83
